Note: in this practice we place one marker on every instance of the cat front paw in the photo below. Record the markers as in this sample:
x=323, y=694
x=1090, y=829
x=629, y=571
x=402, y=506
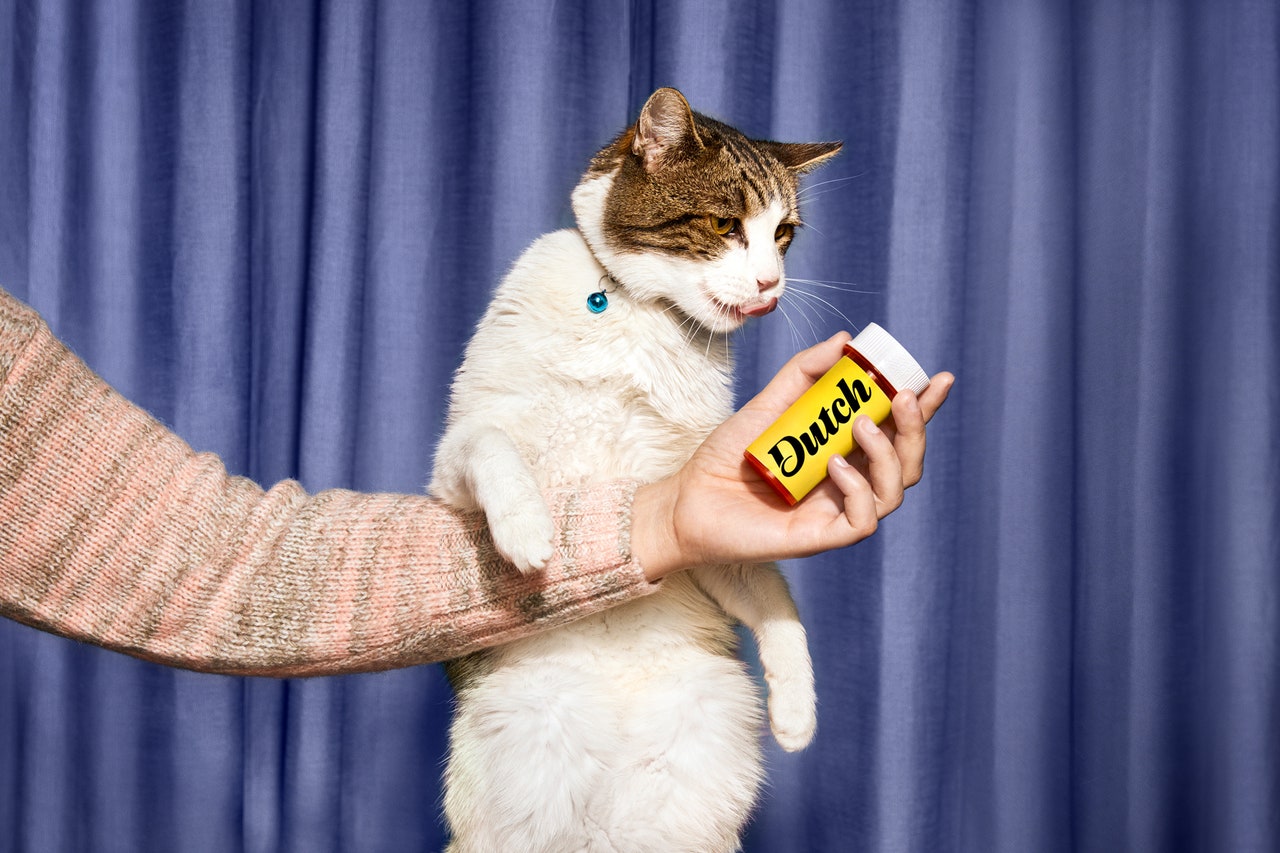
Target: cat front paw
x=526, y=539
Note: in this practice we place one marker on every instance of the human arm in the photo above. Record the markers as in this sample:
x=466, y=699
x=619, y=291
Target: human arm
x=715, y=509
x=113, y=531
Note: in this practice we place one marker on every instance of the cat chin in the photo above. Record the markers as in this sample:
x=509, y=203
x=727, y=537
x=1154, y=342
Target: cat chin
x=722, y=318
x=718, y=318
x=721, y=310
x=742, y=312
x=717, y=314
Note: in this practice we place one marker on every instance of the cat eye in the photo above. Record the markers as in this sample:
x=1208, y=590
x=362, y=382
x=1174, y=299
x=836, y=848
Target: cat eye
x=724, y=227
x=784, y=232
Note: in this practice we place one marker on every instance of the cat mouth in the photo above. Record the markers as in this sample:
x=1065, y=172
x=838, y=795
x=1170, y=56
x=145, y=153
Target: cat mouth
x=740, y=313
x=727, y=317
x=760, y=309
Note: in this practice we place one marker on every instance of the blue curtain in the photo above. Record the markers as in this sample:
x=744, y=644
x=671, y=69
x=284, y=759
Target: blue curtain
x=274, y=224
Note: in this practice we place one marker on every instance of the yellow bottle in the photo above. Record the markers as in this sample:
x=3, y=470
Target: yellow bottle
x=792, y=454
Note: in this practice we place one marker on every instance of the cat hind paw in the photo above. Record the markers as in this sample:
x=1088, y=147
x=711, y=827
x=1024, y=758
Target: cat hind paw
x=793, y=721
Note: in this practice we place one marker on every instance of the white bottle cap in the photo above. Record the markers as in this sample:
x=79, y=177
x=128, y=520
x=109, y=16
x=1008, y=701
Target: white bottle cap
x=891, y=359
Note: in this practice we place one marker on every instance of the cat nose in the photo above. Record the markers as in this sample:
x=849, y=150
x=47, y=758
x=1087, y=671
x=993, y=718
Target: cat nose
x=766, y=283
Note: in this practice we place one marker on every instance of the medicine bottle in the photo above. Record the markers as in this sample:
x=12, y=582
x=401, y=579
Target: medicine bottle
x=792, y=454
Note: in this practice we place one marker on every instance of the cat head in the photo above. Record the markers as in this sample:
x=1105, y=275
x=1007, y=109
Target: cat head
x=684, y=209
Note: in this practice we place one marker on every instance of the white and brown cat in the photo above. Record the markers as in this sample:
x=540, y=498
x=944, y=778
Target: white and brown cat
x=638, y=729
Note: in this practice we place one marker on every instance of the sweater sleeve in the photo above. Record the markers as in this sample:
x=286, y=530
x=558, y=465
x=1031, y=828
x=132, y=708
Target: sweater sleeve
x=114, y=532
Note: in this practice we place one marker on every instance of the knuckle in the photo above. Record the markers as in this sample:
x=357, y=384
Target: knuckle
x=866, y=526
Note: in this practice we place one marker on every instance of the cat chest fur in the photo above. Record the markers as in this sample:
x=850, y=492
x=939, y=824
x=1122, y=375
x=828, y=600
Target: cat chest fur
x=584, y=396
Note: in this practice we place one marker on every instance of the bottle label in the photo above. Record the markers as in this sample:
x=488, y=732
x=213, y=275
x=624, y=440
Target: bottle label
x=792, y=454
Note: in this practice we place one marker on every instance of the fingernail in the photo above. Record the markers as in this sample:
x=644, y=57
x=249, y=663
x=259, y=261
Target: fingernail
x=870, y=425
x=839, y=461
x=913, y=403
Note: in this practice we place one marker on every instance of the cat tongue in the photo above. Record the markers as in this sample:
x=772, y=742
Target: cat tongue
x=761, y=309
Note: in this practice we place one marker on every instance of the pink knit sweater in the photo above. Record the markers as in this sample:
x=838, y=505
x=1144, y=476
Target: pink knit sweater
x=113, y=531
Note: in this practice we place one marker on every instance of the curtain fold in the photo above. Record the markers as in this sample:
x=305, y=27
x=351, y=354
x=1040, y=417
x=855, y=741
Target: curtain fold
x=274, y=225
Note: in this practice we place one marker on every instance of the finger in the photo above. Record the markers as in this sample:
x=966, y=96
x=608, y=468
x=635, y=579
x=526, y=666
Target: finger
x=909, y=437
x=936, y=394
x=884, y=470
x=859, y=501
x=799, y=373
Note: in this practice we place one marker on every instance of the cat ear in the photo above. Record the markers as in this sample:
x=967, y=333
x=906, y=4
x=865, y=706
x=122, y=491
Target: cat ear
x=801, y=157
x=665, y=128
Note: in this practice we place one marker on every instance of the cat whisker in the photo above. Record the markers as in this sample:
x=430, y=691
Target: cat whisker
x=808, y=190
x=817, y=301
x=843, y=286
x=795, y=334
x=843, y=179
x=797, y=340
x=812, y=316
x=687, y=327
x=806, y=197
x=688, y=330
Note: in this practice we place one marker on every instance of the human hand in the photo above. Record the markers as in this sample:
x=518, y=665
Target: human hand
x=717, y=509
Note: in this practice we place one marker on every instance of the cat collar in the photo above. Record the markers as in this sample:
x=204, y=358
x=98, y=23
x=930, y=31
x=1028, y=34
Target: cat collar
x=597, y=301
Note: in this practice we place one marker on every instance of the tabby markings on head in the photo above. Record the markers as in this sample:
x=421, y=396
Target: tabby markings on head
x=687, y=188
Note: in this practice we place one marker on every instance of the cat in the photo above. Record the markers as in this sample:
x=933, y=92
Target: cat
x=604, y=354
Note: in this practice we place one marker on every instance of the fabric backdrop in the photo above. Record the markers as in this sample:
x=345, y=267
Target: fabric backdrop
x=274, y=224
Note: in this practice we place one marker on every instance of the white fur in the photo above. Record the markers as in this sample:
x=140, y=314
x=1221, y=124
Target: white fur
x=637, y=729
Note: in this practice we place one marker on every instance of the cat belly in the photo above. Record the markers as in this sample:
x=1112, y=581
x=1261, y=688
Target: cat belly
x=616, y=732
